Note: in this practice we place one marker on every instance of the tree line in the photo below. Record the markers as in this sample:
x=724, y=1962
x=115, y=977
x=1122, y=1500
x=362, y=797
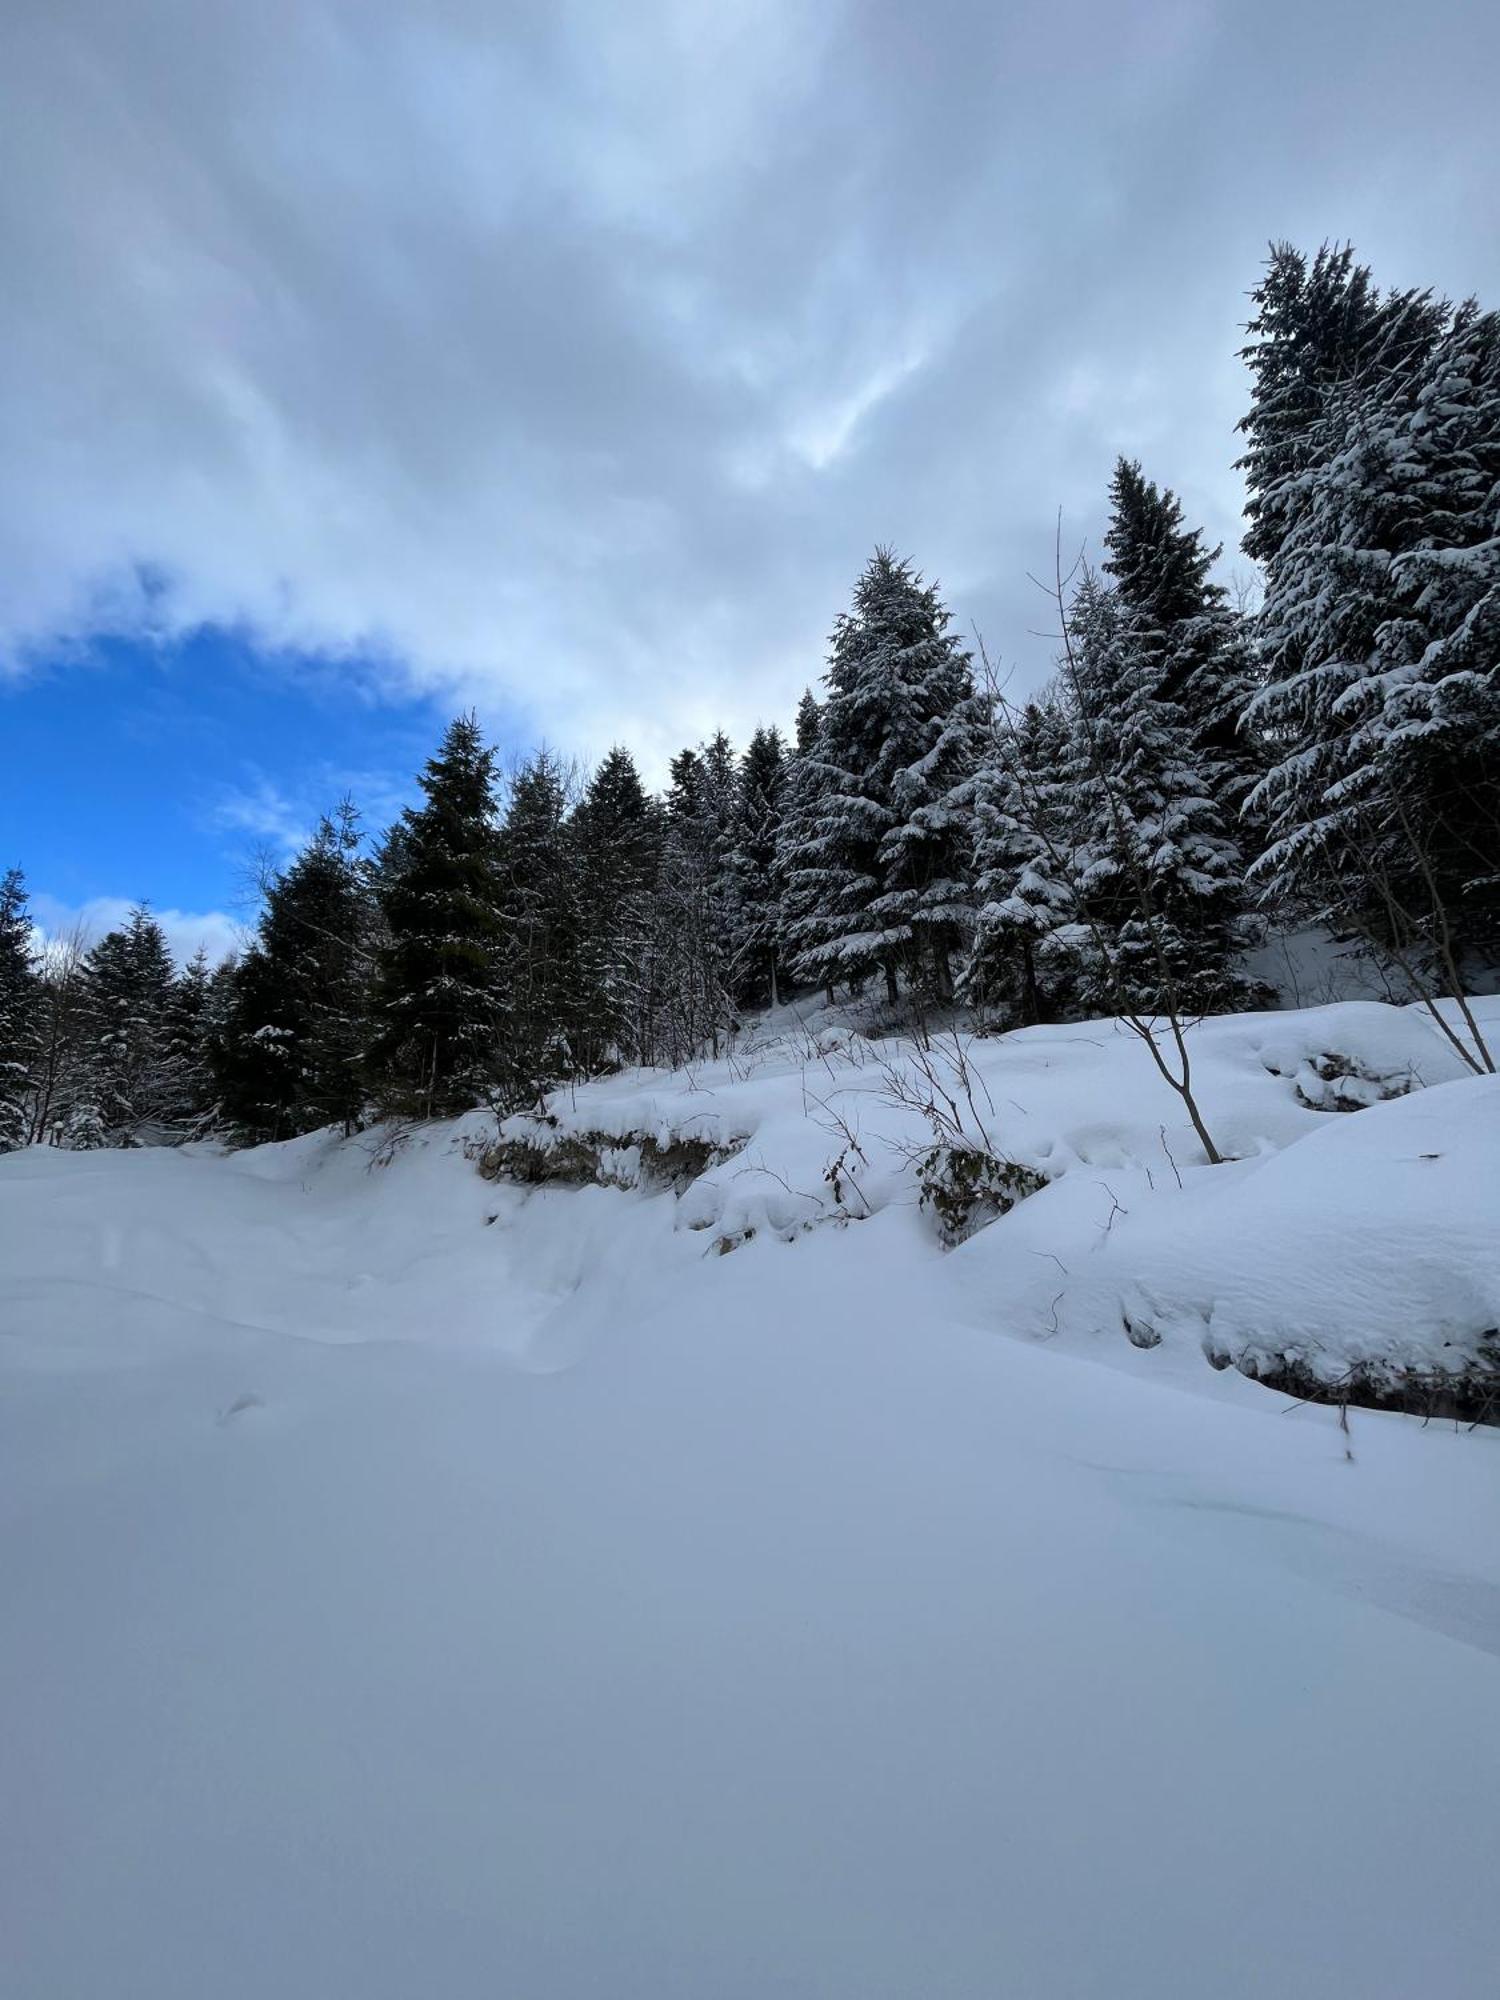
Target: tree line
x=1328, y=753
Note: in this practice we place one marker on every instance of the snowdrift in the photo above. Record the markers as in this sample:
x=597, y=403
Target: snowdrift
x=1333, y=1255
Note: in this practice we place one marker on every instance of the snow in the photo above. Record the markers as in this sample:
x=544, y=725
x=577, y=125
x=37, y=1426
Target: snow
x=416, y=1583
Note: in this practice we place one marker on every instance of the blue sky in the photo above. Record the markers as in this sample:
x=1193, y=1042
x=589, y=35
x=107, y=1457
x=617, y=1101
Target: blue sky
x=163, y=770
x=367, y=361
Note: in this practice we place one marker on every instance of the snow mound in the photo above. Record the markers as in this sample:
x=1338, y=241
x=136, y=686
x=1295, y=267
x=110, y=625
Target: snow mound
x=1330, y=1254
x=1363, y=1256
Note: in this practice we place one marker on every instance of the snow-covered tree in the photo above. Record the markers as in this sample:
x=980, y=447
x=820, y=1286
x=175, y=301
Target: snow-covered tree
x=437, y=1006
x=808, y=780
x=1205, y=659
x=20, y=1012
x=1380, y=652
x=1023, y=890
x=289, y=1058
x=541, y=901
x=61, y=1073
x=617, y=827
x=127, y=985
x=188, y=1083
x=1153, y=862
x=879, y=869
x=752, y=877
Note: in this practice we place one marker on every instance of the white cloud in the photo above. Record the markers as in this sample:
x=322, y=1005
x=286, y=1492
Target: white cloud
x=569, y=359
x=263, y=811
x=185, y=930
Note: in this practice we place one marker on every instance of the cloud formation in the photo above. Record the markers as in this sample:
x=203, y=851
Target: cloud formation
x=570, y=358
x=185, y=931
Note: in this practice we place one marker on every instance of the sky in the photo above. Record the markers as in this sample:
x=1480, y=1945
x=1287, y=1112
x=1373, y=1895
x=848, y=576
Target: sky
x=366, y=360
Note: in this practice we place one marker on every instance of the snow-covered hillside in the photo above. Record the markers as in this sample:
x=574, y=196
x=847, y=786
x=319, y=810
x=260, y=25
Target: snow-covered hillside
x=417, y=1582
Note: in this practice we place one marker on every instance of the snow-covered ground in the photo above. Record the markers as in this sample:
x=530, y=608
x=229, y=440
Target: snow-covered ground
x=417, y=1584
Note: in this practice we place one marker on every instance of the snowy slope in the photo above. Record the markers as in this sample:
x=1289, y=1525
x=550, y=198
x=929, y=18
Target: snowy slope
x=1372, y=1251
x=416, y=1584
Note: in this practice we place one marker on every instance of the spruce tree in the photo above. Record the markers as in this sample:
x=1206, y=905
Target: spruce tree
x=127, y=986
x=1017, y=963
x=289, y=1056
x=187, y=1073
x=1154, y=866
x=1427, y=719
x=438, y=1004
x=808, y=781
x=753, y=875
x=879, y=873
x=1322, y=333
x=20, y=1012
x=65, y=1042
x=691, y=944
x=1384, y=759
x=1205, y=660
x=618, y=831
x=541, y=904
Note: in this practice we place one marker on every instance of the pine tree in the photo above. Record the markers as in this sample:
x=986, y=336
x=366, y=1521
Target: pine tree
x=691, y=948
x=809, y=719
x=20, y=1012
x=618, y=831
x=438, y=1005
x=878, y=872
x=337, y=907
x=1427, y=730
x=1205, y=660
x=753, y=876
x=1158, y=875
x=1379, y=783
x=187, y=1074
x=127, y=985
x=808, y=781
x=289, y=1056
x=1160, y=568
x=1321, y=334
x=541, y=903
x=62, y=1067
x=1017, y=964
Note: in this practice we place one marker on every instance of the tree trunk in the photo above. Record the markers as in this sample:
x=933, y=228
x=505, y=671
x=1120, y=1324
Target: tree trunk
x=1031, y=1002
x=892, y=991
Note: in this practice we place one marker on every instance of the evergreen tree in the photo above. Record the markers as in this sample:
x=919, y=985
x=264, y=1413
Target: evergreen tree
x=618, y=831
x=1161, y=569
x=1427, y=718
x=1023, y=886
x=753, y=875
x=20, y=1012
x=1204, y=658
x=187, y=1073
x=289, y=1056
x=691, y=946
x=879, y=871
x=337, y=901
x=809, y=717
x=809, y=779
x=1154, y=866
x=541, y=903
x=438, y=1005
x=1322, y=334
x=127, y=984
x=61, y=1071
x=1377, y=801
